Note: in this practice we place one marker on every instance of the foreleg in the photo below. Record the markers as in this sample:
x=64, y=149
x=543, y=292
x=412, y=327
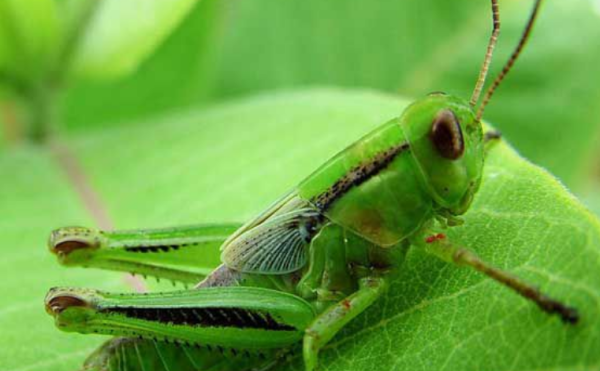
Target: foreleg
x=439, y=246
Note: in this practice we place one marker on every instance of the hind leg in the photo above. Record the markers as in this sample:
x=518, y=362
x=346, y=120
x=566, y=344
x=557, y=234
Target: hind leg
x=133, y=354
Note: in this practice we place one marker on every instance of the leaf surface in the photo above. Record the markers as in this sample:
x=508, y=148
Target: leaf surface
x=229, y=162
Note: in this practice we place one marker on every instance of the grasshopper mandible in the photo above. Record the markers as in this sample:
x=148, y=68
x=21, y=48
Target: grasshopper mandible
x=306, y=266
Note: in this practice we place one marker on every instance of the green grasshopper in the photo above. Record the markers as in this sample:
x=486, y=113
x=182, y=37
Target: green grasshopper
x=305, y=267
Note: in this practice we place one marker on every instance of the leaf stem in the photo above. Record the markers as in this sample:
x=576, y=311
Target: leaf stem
x=43, y=104
x=11, y=127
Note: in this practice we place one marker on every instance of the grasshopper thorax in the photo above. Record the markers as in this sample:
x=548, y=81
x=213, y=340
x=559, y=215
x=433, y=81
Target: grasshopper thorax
x=447, y=144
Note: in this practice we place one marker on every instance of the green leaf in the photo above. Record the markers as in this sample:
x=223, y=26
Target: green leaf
x=35, y=200
x=229, y=162
x=29, y=35
x=121, y=34
x=179, y=73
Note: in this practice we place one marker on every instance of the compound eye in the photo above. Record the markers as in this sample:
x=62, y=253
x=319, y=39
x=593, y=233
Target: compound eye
x=446, y=135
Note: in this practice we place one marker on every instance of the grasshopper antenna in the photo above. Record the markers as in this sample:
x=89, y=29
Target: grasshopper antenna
x=511, y=61
x=488, y=55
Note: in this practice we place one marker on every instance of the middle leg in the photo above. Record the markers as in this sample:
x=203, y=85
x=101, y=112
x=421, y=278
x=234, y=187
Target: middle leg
x=334, y=318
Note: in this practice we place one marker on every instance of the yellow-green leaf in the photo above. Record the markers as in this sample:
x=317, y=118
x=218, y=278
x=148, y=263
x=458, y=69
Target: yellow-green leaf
x=121, y=34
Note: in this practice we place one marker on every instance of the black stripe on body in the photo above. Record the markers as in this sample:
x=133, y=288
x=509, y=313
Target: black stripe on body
x=204, y=317
x=156, y=248
x=358, y=175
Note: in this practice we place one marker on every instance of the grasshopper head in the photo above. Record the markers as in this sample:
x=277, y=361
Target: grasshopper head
x=74, y=245
x=447, y=141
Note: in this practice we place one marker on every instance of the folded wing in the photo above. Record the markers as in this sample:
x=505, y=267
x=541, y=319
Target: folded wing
x=277, y=242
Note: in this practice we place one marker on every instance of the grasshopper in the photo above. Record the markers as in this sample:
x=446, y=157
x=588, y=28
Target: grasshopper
x=301, y=270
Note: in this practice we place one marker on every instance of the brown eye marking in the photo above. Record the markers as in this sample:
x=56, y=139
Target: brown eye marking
x=447, y=136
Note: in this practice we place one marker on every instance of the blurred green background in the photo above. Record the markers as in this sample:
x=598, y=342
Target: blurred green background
x=212, y=51
x=223, y=50
x=102, y=96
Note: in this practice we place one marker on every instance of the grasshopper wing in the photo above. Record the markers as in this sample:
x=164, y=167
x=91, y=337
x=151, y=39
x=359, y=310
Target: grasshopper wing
x=276, y=241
